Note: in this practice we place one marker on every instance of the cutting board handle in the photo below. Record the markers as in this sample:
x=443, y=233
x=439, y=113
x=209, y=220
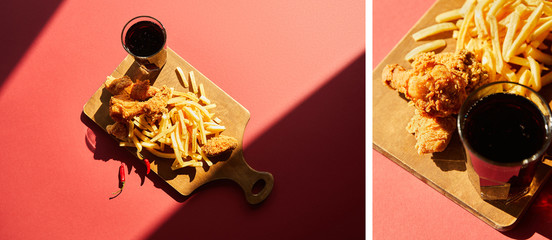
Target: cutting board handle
x=255, y=185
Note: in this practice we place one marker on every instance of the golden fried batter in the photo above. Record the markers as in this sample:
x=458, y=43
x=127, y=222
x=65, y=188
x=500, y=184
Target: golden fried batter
x=135, y=99
x=437, y=85
x=433, y=134
x=218, y=145
x=123, y=108
x=118, y=86
x=141, y=90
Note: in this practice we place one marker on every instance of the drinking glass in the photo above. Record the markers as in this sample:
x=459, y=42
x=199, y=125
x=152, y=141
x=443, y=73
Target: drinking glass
x=144, y=37
x=505, y=128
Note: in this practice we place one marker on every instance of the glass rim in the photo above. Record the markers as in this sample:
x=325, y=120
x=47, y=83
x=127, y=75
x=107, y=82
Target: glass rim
x=548, y=121
x=128, y=25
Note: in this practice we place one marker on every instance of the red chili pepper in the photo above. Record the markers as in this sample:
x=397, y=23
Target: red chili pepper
x=148, y=167
x=121, y=180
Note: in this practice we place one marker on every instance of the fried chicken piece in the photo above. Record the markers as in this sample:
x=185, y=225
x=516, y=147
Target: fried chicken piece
x=432, y=134
x=157, y=105
x=219, y=145
x=141, y=90
x=437, y=84
x=123, y=107
x=464, y=64
x=396, y=77
x=118, y=86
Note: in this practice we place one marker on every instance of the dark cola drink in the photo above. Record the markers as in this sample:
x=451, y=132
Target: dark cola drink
x=145, y=38
x=505, y=133
x=505, y=127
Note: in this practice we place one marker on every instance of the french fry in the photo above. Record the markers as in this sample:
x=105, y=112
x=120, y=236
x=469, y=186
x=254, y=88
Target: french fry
x=178, y=139
x=497, y=5
x=182, y=77
x=495, y=43
x=209, y=163
x=459, y=24
x=525, y=32
x=538, y=55
x=519, y=61
x=480, y=24
x=191, y=113
x=535, y=71
x=448, y=16
x=466, y=6
x=202, y=136
x=430, y=46
x=201, y=90
x=194, y=139
x=545, y=27
x=433, y=30
x=510, y=37
x=193, y=82
x=178, y=163
x=163, y=133
x=204, y=100
x=512, y=27
x=138, y=146
x=181, y=131
x=468, y=10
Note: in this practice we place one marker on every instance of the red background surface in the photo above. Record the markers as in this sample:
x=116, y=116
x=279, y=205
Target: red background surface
x=403, y=206
x=297, y=66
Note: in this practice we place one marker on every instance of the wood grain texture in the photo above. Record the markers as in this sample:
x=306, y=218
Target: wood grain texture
x=446, y=171
x=233, y=115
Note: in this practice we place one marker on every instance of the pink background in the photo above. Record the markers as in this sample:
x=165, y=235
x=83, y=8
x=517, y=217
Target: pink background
x=403, y=206
x=297, y=66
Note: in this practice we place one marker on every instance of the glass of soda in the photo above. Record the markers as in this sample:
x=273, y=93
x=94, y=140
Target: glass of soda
x=145, y=38
x=505, y=128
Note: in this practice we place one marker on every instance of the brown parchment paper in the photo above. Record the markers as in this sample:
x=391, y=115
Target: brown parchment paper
x=233, y=115
x=445, y=171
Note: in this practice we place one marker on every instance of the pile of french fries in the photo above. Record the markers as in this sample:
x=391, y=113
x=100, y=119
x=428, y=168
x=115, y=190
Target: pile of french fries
x=184, y=129
x=511, y=38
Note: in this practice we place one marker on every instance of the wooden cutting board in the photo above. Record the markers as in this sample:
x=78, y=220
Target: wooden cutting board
x=445, y=171
x=233, y=115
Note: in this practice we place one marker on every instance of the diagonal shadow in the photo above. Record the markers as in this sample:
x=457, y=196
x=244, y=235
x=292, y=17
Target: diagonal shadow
x=317, y=156
x=22, y=22
x=106, y=148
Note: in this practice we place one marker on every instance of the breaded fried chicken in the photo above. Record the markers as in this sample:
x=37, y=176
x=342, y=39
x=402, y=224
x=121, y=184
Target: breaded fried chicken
x=141, y=90
x=219, y=145
x=432, y=133
x=437, y=85
x=134, y=99
x=123, y=107
x=118, y=86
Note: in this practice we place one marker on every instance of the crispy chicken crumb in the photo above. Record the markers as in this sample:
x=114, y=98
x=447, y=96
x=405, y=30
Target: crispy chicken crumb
x=134, y=99
x=432, y=133
x=219, y=145
x=437, y=85
x=118, y=86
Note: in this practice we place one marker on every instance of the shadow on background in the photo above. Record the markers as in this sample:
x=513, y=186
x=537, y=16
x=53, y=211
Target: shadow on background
x=106, y=148
x=317, y=156
x=22, y=21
